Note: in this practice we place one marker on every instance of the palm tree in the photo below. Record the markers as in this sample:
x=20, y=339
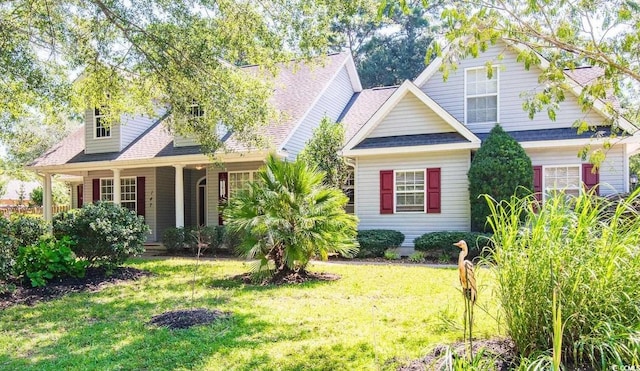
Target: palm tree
x=288, y=217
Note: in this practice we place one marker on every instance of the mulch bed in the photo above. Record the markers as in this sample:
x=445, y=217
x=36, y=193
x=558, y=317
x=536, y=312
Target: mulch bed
x=95, y=279
x=182, y=319
x=294, y=278
x=501, y=350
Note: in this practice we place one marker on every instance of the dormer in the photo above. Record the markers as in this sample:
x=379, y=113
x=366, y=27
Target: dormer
x=196, y=112
x=101, y=138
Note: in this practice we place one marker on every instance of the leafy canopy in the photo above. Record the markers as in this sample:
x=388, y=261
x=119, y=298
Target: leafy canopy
x=500, y=169
x=288, y=216
x=322, y=152
x=137, y=55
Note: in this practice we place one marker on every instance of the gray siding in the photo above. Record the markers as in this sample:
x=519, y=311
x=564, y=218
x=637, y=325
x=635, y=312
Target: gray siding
x=150, y=187
x=612, y=174
x=410, y=116
x=99, y=145
x=213, y=186
x=330, y=104
x=165, y=200
x=455, y=213
x=514, y=81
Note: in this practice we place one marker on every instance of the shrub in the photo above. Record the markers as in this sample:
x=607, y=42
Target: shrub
x=173, y=239
x=440, y=244
x=106, y=234
x=417, y=257
x=27, y=230
x=587, y=256
x=8, y=250
x=391, y=254
x=500, y=169
x=49, y=259
x=209, y=235
x=230, y=239
x=374, y=242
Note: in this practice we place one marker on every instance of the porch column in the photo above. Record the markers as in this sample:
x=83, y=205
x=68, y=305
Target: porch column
x=179, y=195
x=117, y=192
x=47, y=199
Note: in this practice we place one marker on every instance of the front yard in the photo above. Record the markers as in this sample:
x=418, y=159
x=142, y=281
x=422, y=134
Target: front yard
x=374, y=317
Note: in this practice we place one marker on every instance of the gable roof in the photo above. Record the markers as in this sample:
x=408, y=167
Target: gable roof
x=576, y=80
x=359, y=140
x=297, y=87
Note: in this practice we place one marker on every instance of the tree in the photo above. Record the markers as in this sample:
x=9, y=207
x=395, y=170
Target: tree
x=287, y=217
x=138, y=55
x=322, y=152
x=387, y=47
x=500, y=169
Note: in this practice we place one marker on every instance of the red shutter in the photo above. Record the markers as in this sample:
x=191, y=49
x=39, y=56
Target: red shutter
x=433, y=190
x=80, y=190
x=537, y=182
x=589, y=178
x=140, y=195
x=223, y=193
x=386, y=192
x=96, y=190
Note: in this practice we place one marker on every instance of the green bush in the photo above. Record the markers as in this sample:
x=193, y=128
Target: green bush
x=374, y=242
x=27, y=230
x=209, y=235
x=439, y=245
x=8, y=250
x=105, y=234
x=583, y=250
x=391, y=254
x=49, y=259
x=229, y=239
x=173, y=239
x=500, y=169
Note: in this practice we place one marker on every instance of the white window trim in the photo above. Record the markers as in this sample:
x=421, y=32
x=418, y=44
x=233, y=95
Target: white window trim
x=199, y=107
x=497, y=94
x=395, y=199
x=121, y=200
x=95, y=126
x=252, y=174
x=544, y=182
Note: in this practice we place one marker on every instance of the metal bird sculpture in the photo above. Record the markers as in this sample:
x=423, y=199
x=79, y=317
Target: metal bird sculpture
x=469, y=290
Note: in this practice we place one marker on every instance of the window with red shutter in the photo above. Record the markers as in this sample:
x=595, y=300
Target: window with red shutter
x=223, y=192
x=590, y=178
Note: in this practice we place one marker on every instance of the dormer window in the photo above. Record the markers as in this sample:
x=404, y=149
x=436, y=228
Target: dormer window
x=481, y=96
x=196, y=110
x=101, y=130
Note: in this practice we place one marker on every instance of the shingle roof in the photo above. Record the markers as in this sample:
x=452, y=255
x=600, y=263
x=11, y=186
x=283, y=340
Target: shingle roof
x=362, y=106
x=555, y=134
x=297, y=86
x=586, y=75
x=411, y=140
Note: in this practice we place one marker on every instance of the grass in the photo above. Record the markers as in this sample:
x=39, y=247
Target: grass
x=375, y=317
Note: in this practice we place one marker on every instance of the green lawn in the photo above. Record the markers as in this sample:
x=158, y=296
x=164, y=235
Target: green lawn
x=375, y=317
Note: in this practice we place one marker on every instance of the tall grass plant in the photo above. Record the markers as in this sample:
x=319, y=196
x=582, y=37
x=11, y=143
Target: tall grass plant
x=586, y=249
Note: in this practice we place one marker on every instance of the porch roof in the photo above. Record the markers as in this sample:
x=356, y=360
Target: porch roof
x=557, y=134
x=411, y=140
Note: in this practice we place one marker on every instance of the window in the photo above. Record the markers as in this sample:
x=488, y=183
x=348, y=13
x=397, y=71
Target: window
x=409, y=187
x=349, y=187
x=102, y=131
x=239, y=180
x=564, y=179
x=195, y=110
x=128, y=192
x=481, y=96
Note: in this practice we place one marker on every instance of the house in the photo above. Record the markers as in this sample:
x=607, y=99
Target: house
x=17, y=192
x=411, y=146
x=140, y=165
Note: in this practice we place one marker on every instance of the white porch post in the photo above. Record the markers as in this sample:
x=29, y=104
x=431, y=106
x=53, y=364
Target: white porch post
x=47, y=199
x=117, y=192
x=179, y=196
